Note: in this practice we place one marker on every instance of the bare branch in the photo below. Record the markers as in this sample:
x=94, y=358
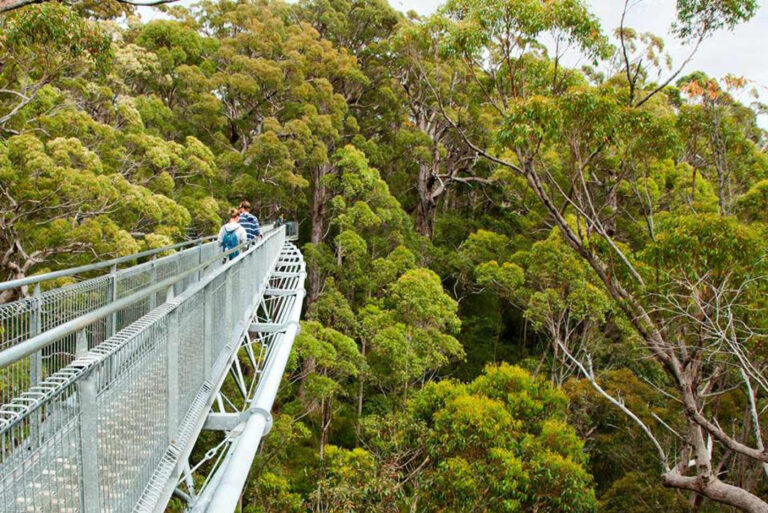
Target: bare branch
x=676, y=73
x=755, y=417
x=10, y=5
x=590, y=376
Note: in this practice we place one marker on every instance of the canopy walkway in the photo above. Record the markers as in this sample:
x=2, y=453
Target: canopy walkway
x=106, y=383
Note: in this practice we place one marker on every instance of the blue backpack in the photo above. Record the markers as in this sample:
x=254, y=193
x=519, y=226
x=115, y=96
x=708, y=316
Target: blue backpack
x=229, y=241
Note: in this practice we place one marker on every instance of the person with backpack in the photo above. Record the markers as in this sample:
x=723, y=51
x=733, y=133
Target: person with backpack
x=249, y=221
x=232, y=234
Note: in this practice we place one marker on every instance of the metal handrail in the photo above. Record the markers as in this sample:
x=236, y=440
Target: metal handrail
x=39, y=278
x=110, y=431
x=36, y=343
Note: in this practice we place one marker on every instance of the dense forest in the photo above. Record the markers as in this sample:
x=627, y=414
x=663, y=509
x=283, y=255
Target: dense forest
x=533, y=287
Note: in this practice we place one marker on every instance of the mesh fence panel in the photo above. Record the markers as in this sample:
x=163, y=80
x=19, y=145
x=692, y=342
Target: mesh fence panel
x=21, y=320
x=191, y=318
x=132, y=419
x=55, y=434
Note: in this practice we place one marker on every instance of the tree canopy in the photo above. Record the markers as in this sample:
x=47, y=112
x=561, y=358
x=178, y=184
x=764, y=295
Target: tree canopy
x=531, y=287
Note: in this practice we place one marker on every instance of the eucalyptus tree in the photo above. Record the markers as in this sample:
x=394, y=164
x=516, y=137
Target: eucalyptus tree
x=427, y=140
x=90, y=6
x=325, y=360
x=41, y=44
x=721, y=136
x=576, y=146
x=498, y=443
x=66, y=195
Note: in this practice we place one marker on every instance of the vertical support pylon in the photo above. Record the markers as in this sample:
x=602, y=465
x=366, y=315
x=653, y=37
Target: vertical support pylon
x=89, y=442
x=81, y=343
x=36, y=360
x=153, y=279
x=172, y=369
x=35, y=320
x=208, y=331
x=112, y=319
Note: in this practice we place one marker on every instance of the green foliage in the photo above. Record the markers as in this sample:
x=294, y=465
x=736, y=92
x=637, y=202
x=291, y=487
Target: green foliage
x=275, y=496
x=697, y=245
x=483, y=21
x=411, y=333
x=605, y=213
x=352, y=482
x=634, y=492
x=753, y=205
x=498, y=443
x=695, y=17
x=30, y=32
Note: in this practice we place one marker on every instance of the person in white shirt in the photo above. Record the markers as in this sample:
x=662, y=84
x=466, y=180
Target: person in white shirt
x=231, y=235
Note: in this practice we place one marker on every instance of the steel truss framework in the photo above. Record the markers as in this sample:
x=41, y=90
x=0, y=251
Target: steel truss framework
x=112, y=431
x=242, y=411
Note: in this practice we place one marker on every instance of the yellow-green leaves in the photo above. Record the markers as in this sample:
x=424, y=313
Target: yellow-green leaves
x=481, y=24
x=53, y=31
x=411, y=333
x=694, y=246
x=754, y=204
x=419, y=300
x=65, y=195
x=498, y=443
x=697, y=18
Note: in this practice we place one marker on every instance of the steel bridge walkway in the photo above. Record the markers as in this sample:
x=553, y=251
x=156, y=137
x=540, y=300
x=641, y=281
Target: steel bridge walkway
x=107, y=383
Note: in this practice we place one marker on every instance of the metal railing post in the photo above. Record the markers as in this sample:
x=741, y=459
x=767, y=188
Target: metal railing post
x=81, y=343
x=208, y=331
x=153, y=279
x=172, y=369
x=200, y=273
x=228, y=306
x=112, y=320
x=89, y=442
x=36, y=360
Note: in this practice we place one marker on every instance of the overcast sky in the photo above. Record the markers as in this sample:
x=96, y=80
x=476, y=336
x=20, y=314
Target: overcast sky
x=742, y=52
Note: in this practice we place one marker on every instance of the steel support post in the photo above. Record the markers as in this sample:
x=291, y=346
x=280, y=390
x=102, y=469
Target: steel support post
x=81, y=343
x=208, y=332
x=153, y=279
x=36, y=359
x=89, y=442
x=172, y=370
x=112, y=319
x=228, y=306
x=35, y=320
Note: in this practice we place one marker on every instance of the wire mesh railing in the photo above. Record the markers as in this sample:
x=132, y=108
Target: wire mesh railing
x=20, y=320
x=27, y=317
x=89, y=436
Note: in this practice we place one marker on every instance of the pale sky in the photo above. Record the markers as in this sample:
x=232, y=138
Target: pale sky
x=742, y=52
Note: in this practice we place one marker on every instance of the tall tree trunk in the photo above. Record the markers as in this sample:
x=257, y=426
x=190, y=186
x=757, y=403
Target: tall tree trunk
x=425, y=211
x=360, y=392
x=712, y=488
x=326, y=424
x=317, y=218
x=720, y=152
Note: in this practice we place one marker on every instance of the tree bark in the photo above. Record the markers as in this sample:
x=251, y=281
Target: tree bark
x=716, y=490
x=360, y=392
x=425, y=211
x=326, y=424
x=317, y=219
